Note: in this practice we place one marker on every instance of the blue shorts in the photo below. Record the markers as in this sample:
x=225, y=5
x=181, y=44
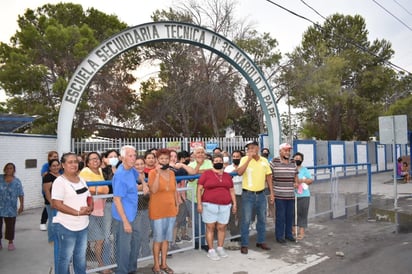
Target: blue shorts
x=163, y=229
x=213, y=213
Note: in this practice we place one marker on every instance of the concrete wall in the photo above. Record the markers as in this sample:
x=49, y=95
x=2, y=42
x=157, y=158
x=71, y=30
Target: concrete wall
x=28, y=153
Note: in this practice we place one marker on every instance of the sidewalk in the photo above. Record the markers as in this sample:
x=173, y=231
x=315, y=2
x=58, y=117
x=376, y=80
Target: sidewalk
x=33, y=255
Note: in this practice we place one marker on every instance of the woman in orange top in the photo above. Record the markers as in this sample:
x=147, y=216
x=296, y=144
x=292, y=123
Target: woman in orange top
x=163, y=207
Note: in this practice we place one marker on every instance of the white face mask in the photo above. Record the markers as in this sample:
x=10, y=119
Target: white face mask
x=113, y=161
x=225, y=159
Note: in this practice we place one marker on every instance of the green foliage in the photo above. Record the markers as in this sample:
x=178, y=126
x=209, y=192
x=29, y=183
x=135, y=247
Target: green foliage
x=339, y=79
x=44, y=53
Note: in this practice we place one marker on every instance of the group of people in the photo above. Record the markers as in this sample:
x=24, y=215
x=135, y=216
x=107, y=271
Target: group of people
x=146, y=200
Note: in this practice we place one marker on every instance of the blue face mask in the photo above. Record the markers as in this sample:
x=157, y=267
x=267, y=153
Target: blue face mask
x=113, y=161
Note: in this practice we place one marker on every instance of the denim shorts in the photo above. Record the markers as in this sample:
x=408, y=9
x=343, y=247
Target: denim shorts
x=163, y=229
x=213, y=213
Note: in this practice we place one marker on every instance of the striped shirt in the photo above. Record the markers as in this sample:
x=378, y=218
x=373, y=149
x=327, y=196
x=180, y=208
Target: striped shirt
x=283, y=176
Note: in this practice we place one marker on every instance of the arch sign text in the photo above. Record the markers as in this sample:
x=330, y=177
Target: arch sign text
x=157, y=32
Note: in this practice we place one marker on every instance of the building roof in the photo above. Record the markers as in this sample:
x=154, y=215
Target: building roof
x=13, y=122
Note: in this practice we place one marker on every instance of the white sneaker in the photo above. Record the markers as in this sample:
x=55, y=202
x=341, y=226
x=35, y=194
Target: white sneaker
x=43, y=227
x=221, y=252
x=213, y=255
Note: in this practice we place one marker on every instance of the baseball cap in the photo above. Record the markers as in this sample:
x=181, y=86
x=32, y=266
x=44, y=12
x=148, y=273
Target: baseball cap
x=251, y=143
x=285, y=146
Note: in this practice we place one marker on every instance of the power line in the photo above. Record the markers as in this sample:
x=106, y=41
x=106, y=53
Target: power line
x=394, y=16
x=399, y=4
x=396, y=67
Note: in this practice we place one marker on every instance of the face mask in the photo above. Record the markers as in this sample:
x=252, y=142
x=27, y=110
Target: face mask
x=164, y=167
x=218, y=166
x=266, y=155
x=236, y=162
x=187, y=162
x=225, y=159
x=113, y=161
x=298, y=162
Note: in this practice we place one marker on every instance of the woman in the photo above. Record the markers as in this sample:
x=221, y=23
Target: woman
x=162, y=209
x=99, y=222
x=11, y=189
x=48, y=179
x=150, y=163
x=110, y=162
x=70, y=199
x=215, y=197
x=51, y=155
x=143, y=222
x=302, y=195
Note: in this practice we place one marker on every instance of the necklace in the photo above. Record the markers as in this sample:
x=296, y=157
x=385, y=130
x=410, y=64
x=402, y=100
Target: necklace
x=218, y=176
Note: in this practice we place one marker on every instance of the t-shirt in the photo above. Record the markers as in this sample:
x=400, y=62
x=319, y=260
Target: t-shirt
x=254, y=177
x=283, y=178
x=9, y=193
x=48, y=178
x=124, y=186
x=304, y=173
x=162, y=204
x=64, y=190
x=237, y=180
x=191, y=195
x=216, y=187
x=89, y=176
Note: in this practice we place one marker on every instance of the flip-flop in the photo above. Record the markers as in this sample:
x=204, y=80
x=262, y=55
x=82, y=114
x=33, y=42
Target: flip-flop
x=157, y=271
x=300, y=237
x=167, y=269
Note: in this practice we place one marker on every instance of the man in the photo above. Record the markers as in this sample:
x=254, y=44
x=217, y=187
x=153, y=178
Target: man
x=200, y=164
x=124, y=211
x=234, y=221
x=284, y=179
x=256, y=171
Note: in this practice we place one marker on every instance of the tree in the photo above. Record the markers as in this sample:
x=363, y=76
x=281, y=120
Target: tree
x=199, y=92
x=339, y=79
x=43, y=55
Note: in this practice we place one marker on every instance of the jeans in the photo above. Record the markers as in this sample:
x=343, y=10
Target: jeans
x=51, y=212
x=72, y=244
x=252, y=202
x=125, y=242
x=284, y=218
x=142, y=248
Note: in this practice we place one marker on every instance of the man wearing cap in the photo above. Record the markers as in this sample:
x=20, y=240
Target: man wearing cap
x=284, y=177
x=256, y=174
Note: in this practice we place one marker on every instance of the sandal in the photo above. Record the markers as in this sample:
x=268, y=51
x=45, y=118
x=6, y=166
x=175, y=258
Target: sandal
x=300, y=237
x=167, y=270
x=156, y=271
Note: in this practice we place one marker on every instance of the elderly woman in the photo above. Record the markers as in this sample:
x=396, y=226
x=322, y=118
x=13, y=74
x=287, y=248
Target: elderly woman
x=11, y=189
x=99, y=226
x=215, y=197
x=163, y=207
x=70, y=198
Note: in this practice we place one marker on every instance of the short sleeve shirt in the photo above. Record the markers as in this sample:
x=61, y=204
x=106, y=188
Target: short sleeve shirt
x=254, y=177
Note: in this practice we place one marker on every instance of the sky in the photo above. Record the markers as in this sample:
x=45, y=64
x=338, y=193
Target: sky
x=266, y=17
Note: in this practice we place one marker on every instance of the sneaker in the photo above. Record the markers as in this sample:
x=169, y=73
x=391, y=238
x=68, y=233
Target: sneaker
x=178, y=240
x=186, y=238
x=221, y=252
x=213, y=255
x=11, y=247
x=43, y=227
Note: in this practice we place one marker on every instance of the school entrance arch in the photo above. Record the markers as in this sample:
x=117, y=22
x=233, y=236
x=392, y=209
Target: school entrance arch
x=159, y=32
